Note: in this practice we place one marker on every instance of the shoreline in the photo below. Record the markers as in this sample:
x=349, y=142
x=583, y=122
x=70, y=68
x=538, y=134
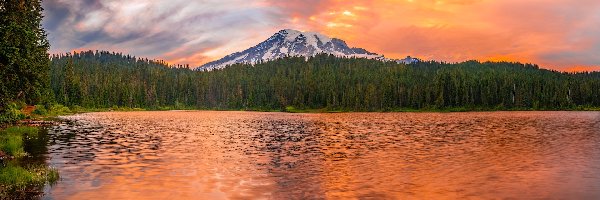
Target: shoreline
x=323, y=111
x=20, y=178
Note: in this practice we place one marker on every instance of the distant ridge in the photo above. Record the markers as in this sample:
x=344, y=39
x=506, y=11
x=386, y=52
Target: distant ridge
x=290, y=42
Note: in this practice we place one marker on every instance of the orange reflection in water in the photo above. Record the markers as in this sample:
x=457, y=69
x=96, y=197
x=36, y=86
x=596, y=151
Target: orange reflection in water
x=250, y=155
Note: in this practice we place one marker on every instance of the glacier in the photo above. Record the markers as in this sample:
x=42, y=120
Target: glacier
x=290, y=42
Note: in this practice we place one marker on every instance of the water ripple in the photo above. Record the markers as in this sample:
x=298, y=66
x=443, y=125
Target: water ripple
x=250, y=155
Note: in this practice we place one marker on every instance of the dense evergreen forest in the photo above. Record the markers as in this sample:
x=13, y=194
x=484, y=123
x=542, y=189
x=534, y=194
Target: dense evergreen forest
x=102, y=80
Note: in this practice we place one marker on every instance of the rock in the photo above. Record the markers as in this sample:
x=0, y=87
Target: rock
x=4, y=156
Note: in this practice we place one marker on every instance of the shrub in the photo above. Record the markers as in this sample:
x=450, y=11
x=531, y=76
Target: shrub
x=11, y=139
x=23, y=131
x=14, y=178
x=58, y=109
x=77, y=109
x=40, y=110
x=12, y=114
x=13, y=145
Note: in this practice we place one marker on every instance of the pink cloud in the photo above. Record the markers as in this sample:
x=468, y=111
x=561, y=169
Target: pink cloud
x=558, y=34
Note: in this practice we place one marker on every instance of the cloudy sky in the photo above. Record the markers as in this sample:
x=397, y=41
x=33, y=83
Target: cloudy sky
x=557, y=34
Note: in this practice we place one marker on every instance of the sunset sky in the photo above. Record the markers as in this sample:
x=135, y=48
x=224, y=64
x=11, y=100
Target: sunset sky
x=556, y=34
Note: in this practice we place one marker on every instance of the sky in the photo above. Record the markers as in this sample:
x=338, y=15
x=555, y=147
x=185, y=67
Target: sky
x=562, y=35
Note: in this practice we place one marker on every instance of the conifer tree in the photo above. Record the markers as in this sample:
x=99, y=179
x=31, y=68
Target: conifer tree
x=24, y=60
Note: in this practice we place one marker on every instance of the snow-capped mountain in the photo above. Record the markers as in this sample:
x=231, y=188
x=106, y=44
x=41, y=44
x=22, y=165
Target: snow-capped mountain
x=295, y=43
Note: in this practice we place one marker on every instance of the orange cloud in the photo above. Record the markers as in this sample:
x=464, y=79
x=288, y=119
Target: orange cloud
x=556, y=34
x=581, y=69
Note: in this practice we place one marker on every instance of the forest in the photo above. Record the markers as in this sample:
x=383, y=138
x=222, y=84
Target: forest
x=101, y=79
x=36, y=88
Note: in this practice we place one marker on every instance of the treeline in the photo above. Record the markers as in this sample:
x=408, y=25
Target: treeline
x=102, y=79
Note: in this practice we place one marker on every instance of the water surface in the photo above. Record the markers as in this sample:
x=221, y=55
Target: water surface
x=252, y=155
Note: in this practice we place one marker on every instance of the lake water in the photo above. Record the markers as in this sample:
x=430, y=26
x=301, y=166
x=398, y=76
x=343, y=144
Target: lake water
x=253, y=155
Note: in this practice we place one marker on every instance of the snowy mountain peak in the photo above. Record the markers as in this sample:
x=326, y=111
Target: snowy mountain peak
x=311, y=37
x=290, y=42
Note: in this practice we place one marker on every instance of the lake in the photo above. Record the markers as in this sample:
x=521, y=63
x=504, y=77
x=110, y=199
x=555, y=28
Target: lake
x=254, y=155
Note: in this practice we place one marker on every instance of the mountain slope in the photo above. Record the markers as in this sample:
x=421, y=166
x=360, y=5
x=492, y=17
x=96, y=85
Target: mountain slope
x=295, y=43
x=104, y=80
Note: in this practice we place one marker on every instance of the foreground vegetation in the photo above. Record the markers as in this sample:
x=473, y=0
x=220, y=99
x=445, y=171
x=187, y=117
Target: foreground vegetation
x=322, y=83
x=18, y=179
x=24, y=70
x=24, y=59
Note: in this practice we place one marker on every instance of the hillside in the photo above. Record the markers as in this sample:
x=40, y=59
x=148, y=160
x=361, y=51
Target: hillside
x=321, y=82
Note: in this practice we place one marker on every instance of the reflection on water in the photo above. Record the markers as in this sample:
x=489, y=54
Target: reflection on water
x=248, y=155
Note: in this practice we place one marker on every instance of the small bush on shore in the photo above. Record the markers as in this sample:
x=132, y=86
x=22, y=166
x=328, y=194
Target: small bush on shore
x=40, y=110
x=18, y=180
x=11, y=139
x=12, y=114
x=12, y=145
x=57, y=109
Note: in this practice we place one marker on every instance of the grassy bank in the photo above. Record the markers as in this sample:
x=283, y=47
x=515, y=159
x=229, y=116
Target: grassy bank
x=20, y=112
x=18, y=179
x=16, y=113
x=292, y=109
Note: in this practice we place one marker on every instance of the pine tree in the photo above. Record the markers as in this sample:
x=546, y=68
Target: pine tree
x=24, y=59
x=104, y=79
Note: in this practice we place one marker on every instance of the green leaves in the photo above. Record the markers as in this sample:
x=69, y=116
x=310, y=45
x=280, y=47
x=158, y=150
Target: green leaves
x=23, y=53
x=103, y=80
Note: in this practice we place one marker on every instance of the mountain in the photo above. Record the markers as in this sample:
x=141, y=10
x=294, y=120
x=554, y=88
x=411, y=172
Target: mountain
x=296, y=43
